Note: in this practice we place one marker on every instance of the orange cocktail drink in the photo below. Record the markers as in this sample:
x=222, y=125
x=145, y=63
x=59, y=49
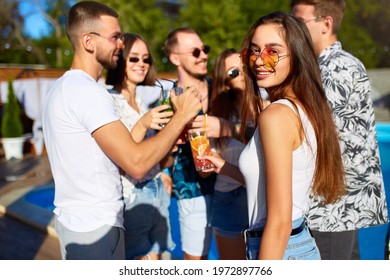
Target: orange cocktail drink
x=200, y=145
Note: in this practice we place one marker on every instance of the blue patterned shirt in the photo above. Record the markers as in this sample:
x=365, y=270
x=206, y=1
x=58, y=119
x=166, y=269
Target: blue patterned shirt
x=187, y=183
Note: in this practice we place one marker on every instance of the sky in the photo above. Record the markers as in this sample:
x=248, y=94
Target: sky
x=35, y=25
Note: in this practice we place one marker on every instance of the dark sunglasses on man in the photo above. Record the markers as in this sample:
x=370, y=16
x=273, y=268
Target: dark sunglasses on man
x=196, y=52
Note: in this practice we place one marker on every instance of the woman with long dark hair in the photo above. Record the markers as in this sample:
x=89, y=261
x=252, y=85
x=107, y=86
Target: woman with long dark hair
x=295, y=148
x=229, y=211
x=146, y=215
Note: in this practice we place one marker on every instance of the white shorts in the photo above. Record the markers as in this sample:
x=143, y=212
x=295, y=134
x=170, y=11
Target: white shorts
x=195, y=230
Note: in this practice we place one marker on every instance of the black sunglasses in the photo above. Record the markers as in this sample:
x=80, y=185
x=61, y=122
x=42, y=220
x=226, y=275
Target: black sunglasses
x=196, y=51
x=233, y=73
x=145, y=60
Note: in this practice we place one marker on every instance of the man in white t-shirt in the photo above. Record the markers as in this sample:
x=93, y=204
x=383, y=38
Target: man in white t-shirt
x=86, y=142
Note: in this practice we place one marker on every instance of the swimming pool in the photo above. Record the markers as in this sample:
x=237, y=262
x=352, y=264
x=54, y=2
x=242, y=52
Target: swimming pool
x=383, y=135
x=42, y=196
x=372, y=240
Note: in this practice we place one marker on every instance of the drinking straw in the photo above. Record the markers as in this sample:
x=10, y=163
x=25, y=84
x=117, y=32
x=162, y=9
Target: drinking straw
x=205, y=124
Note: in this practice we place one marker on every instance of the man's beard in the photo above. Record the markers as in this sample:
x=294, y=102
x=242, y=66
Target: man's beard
x=195, y=75
x=107, y=63
x=199, y=76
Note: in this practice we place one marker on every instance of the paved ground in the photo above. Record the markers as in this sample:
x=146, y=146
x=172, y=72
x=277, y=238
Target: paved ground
x=19, y=241
x=22, y=234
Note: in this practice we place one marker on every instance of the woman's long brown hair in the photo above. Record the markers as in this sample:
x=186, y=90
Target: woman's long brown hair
x=224, y=100
x=305, y=81
x=116, y=76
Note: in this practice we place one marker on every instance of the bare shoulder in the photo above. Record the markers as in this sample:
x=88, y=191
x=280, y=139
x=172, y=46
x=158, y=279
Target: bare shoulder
x=279, y=126
x=276, y=114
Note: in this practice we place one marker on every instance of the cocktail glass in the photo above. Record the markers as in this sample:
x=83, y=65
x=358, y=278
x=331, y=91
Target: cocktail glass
x=200, y=145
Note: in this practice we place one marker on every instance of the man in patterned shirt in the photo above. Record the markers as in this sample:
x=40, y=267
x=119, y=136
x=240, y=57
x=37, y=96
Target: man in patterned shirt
x=335, y=226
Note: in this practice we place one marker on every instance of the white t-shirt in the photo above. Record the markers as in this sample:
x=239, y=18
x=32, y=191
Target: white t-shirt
x=88, y=192
x=251, y=164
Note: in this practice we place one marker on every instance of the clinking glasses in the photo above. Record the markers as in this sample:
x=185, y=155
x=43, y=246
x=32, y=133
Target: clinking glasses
x=269, y=56
x=147, y=60
x=196, y=52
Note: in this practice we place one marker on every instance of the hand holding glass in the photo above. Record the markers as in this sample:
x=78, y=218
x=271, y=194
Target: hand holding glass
x=184, y=134
x=165, y=100
x=200, y=146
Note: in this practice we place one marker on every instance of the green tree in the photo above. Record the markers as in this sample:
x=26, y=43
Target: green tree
x=223, y=24
x=18, y=47
x=255, y=9
x=355, y=34
x=365, y=31
x=145, y=18
x=56, y=44
x=11, y=124
x=14, y=44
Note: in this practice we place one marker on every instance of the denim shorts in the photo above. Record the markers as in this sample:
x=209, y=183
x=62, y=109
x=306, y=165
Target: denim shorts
x=146, y=220
x=195, y=232
x=300, y=246
x=229, y=212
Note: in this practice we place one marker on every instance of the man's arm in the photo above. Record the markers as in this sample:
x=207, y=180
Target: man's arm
x=136, y=159
x=150, y=120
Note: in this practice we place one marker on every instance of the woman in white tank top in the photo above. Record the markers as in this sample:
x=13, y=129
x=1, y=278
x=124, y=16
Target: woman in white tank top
x=294, y=150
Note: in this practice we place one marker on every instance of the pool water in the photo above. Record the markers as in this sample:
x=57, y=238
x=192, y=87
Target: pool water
x=372, y=240
x=42, y=197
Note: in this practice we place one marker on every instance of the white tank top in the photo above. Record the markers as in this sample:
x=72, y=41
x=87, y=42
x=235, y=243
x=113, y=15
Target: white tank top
x=251, y=164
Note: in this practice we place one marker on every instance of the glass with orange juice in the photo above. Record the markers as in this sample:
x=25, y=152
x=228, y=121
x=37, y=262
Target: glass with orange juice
x=200, y=145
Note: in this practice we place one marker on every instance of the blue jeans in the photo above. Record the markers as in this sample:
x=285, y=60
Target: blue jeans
x=299, y=247
x=146, y=220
